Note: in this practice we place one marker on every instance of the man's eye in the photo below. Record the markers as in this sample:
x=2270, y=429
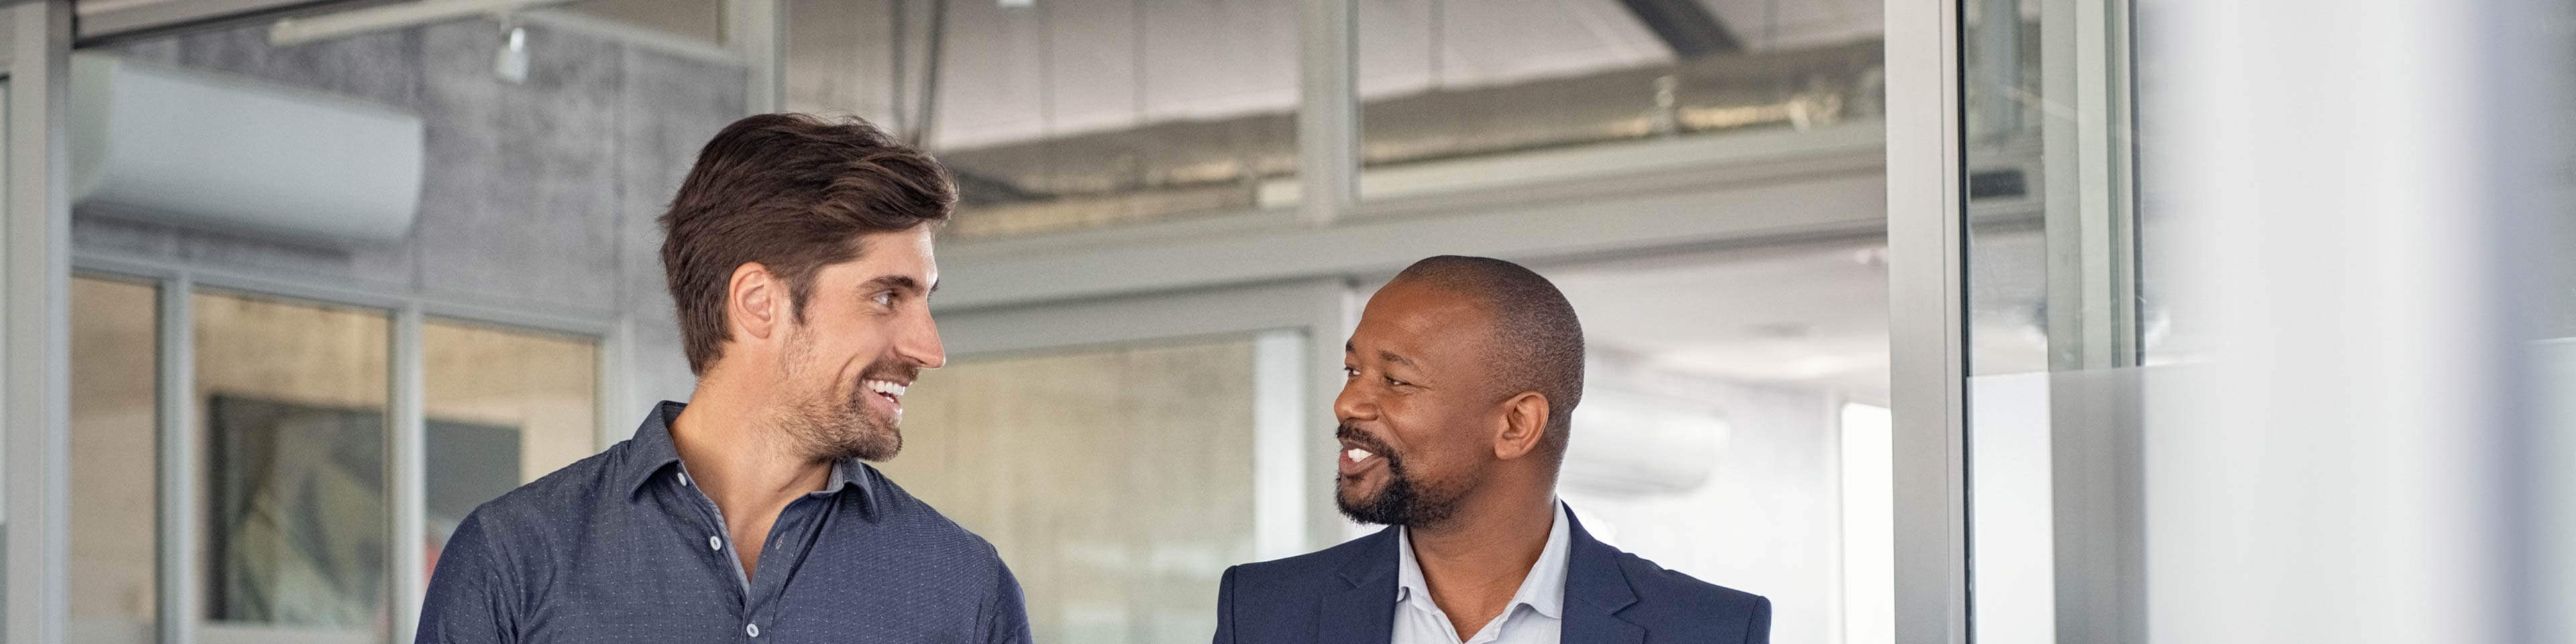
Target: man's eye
x=1392, y=382
x=885, y=299
x=1350, y=372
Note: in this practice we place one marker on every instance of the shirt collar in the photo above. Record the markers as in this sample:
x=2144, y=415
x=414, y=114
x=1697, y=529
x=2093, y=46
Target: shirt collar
x=651, y=452
x=1542, y=590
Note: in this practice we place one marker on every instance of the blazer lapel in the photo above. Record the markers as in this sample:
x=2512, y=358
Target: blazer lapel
x=1364, y=612
x=1596, y=589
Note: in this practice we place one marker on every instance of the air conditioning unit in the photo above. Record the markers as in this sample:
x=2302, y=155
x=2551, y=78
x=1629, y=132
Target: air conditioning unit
x=216, y=151
x=1628, y=444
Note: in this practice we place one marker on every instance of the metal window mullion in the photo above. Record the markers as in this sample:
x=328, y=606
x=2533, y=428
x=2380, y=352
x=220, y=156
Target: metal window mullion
x=1927, y=323
x=1279, y=436
x=755, y=30
x=1328, y=123
x=181, y=462
x=35, y=295
x=614, y=389
x=405, y=476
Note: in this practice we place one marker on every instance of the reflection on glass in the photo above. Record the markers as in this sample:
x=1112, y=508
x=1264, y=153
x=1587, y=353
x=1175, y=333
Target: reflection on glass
x=1443, y=82
x=2053, y=283
x=1117, y=482
x=505, y=407
x=113, y=584
x=1065, y=115
x=292, y=404
x=2060, y=322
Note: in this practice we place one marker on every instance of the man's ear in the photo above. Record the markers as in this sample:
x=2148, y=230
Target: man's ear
x=755, y=301
x=1524, y=425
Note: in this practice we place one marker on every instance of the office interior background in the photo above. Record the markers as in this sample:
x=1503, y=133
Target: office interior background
x=2006, y=321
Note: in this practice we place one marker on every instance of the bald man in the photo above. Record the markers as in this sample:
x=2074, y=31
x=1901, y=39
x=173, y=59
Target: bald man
x=1459, y=384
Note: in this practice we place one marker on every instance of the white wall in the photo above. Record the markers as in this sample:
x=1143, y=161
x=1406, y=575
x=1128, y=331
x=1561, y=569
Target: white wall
x=1768, y=518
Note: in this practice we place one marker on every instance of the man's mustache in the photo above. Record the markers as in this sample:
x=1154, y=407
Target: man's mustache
x=893, y=371
x=1353, y=435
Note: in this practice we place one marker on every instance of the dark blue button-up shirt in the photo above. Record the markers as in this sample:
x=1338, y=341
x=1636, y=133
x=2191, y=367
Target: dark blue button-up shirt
x=622, y=547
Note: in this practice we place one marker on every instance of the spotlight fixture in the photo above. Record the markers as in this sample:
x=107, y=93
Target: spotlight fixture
x=511, y=62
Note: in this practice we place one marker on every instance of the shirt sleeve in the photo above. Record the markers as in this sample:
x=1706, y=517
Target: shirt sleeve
x=471, y=599
x=1006, y=618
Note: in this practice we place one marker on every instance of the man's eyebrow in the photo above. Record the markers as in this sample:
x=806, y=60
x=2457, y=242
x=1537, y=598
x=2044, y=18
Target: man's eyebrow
x=1390, y=356
x=897, y=282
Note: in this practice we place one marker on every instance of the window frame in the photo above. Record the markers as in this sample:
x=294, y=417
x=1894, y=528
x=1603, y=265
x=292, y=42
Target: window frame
x=181, y=575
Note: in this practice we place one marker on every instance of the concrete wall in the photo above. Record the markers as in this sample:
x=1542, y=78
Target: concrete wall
x=537, y=196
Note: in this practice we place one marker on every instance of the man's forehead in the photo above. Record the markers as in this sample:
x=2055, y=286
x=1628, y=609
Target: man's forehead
x=904, y=252
x=1411, y=316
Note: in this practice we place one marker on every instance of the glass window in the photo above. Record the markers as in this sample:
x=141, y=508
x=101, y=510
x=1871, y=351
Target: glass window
x=1063, y=115
x=2060, y=322
x=1116, y=482
x=1602, y=86
x=291, y=403
x=505, y=406
x=114, y=583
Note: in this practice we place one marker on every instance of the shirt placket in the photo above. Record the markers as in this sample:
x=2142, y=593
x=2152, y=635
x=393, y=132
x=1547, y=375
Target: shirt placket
x=721, y=547
x=787, y=540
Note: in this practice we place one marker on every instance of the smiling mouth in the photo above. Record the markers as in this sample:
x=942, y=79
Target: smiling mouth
x=890, y=390
x=1357, y=455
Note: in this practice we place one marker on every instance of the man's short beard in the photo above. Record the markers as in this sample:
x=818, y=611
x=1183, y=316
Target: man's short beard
x=1402, y=502
x=836, y=431
x=827, y=429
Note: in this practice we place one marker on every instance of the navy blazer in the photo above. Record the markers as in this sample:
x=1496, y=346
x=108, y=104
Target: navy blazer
x=1346, y=595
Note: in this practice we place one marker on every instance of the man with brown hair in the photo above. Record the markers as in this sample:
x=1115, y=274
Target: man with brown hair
x=799, y=254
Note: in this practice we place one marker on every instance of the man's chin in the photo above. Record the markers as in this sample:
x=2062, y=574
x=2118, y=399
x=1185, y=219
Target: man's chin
x=1358, y=508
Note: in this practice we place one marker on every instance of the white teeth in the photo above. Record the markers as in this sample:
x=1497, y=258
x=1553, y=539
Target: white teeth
x=1358, y=454
x=884, y=387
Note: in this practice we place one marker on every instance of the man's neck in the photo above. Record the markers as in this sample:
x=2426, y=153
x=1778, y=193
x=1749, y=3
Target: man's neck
x=736, y=456
x=1477, y=559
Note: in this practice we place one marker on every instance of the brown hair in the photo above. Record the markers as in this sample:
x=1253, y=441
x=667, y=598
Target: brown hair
x=792, y=192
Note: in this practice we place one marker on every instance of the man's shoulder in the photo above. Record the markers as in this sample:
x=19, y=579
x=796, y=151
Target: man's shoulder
x=564, y=496
x=1655, y=581
x=1313, y=569
x=1678, y=602
x=912, y=524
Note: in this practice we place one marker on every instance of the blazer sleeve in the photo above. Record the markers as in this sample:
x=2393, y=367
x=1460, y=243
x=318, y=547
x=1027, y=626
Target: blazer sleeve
x=1225, y=608
x=1758, y=630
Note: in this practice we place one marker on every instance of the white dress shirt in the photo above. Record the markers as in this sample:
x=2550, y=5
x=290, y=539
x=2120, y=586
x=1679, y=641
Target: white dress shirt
x=1535, y=615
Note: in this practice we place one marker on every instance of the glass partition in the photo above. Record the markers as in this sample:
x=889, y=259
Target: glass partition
x=291, y=400
x=1453, y=90
x=2060, y=322
x=1116, y=481
x=504, y=407
x=1059, y=116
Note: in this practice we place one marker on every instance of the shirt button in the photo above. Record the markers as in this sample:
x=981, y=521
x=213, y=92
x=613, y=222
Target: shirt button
x=715, y=543
x=684, y=478
x=751, y=630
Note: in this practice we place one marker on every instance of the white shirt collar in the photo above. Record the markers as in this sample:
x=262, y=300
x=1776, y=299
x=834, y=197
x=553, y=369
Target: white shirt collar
x=1543, y=589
